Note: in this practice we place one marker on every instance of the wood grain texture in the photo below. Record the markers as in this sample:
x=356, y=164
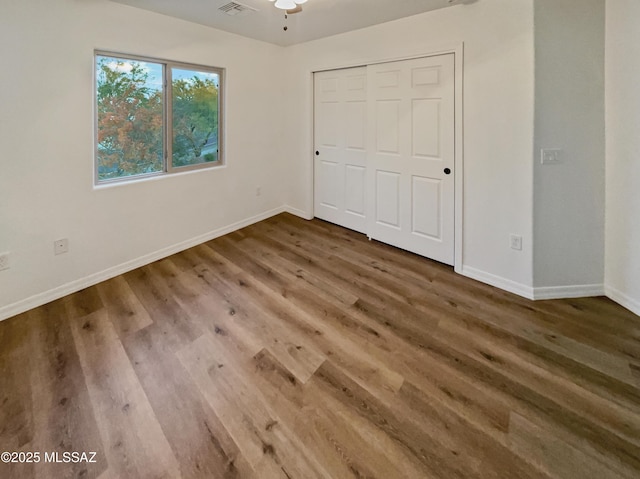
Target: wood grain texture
x=298, y=349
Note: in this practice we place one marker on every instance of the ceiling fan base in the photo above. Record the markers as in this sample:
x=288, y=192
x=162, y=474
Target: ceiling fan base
x=291, y=11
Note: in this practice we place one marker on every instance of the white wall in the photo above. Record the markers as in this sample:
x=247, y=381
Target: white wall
x=569, y=114
x=622, y=276
x=46, y=145
x=498, y=119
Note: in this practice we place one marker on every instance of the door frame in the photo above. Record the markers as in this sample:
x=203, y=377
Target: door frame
x=457, y=50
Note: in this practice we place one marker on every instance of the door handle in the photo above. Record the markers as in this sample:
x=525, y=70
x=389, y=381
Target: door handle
x=447, y=171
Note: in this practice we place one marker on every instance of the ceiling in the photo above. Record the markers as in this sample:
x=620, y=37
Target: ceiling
x=320, y=18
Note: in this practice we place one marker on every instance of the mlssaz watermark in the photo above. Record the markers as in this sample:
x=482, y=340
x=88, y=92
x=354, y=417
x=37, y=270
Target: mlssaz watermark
x=66, y=457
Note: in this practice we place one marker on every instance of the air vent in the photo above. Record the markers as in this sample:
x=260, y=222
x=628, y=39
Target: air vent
x=235, y=8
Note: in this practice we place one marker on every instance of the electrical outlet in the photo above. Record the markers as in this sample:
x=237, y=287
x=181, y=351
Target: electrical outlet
x=550, y=156
x=4, y=261
x=258, y=191
x=516, y=242
x=60, y=246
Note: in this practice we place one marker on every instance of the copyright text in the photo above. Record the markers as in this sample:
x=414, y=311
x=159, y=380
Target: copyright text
x=65, y=457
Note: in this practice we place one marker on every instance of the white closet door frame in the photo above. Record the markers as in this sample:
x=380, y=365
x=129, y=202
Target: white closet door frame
x=458, y=50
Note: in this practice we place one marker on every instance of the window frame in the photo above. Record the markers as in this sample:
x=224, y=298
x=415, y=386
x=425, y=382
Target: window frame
x=167, y=111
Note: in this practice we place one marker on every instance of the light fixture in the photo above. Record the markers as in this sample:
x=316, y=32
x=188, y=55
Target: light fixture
x=288, y=4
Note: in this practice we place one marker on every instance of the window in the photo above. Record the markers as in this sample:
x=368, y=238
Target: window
x=145, y=128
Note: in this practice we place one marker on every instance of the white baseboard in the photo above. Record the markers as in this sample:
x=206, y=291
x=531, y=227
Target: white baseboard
x=552, y=292
x=295, y=211
x=498, y=281
x=564, y=292
x=623, y=299
x=82, y=283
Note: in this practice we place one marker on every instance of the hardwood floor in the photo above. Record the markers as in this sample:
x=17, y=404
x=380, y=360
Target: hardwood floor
x=294, y=349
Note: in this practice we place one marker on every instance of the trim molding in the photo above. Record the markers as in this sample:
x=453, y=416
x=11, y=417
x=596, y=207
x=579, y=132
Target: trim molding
x=296, y=212
x=550, y=292
x=564, y=292
x=95, y=278
x=498, y=281
x=623, y=299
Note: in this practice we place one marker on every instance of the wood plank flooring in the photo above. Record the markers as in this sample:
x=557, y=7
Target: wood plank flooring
x=297, y=350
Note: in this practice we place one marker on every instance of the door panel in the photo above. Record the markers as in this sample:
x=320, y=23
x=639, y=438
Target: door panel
x=388, y=198
x=386, y=78
x=356, y=125
x=341, y=141
x=425, y=138
x=426, y=206
x=388, y=126
x=411, y=142
x=328, y=131
x=355, y=190
x=425, y=76
x=328, y=193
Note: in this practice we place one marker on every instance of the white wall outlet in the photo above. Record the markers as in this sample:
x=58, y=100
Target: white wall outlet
x=4, y=261
x=258, y=190
x=60, y=246
x=550, y=156
x=516, y=242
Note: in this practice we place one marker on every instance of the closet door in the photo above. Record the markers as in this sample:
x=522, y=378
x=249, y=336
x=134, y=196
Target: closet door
x=410, y=160
x=340, y=147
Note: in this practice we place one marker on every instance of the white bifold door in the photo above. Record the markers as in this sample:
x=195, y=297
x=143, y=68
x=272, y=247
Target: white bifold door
x=405, y=148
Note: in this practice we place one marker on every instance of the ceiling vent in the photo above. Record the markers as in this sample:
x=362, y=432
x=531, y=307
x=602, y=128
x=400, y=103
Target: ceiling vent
x=235, y=8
